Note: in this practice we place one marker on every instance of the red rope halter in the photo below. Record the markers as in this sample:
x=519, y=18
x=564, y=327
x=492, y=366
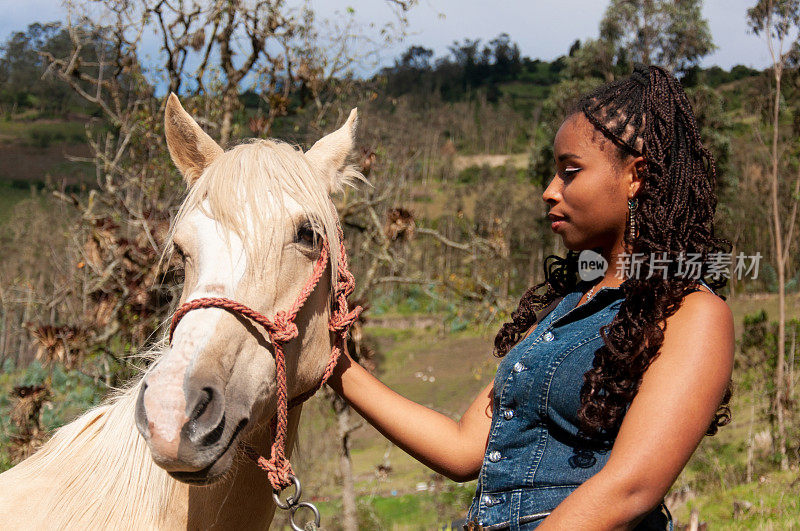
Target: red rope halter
x=281, y=330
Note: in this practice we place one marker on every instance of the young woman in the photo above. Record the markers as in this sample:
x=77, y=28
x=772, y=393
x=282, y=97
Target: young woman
x=598, y=405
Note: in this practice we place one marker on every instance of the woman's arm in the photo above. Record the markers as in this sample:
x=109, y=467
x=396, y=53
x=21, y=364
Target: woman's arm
x=454, y=449
x=678, y=397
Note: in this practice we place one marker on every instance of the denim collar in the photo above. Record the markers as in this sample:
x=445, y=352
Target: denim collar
x=601, y=299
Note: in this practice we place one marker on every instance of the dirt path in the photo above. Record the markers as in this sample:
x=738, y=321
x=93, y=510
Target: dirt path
x=516, y=160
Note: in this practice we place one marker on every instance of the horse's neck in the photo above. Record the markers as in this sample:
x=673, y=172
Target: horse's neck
x=97, y=472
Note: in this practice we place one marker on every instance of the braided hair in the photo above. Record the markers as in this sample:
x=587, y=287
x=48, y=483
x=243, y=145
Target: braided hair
x=646, y=114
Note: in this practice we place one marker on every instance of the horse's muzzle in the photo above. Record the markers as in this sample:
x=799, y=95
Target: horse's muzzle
x=194, y=447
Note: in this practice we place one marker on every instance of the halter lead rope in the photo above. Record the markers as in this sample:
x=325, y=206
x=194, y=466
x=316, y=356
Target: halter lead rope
x=281, y=330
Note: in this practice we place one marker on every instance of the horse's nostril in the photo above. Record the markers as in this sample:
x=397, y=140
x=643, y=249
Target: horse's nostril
x=205, y=397
x=206, y=420
x=214, y=435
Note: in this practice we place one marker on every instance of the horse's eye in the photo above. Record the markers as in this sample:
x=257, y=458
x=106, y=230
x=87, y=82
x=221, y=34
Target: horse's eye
x=306, y=235
x=179, y=251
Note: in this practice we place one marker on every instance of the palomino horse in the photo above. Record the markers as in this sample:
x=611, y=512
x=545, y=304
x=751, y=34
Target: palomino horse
x=251, y=230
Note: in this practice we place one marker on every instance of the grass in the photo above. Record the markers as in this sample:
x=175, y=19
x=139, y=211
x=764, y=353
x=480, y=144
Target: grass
x=770, y=502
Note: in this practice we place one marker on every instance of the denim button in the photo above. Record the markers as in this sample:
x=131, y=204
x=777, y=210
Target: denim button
x=488, y=500
x=519, y=367
x=508, y=414
x=494, y=456
x=549, y=336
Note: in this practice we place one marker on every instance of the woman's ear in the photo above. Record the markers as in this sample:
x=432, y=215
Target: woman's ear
x=638, y=169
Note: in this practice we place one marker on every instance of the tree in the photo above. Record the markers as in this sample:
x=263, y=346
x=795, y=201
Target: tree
x=670, y=33
x=778, y=21
x=506, y=57
x=596, y=58
x=233, y=39
x=22, y=79
x=416, y=57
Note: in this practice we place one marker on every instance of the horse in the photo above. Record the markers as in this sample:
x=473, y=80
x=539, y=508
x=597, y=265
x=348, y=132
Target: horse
x=167, y=451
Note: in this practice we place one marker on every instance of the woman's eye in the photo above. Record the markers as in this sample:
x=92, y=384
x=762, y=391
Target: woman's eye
x=570, y=172
x=306, y=235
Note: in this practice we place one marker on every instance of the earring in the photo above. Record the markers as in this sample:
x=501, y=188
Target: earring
x=633, y=230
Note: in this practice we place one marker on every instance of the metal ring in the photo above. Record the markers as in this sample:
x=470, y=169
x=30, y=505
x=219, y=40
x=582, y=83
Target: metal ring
x=307, y=505
x=291, y=501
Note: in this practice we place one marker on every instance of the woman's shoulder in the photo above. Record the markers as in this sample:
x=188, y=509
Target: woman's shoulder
x=701, y=295
x=702, y=310
x=700, y=330
x=705, y=300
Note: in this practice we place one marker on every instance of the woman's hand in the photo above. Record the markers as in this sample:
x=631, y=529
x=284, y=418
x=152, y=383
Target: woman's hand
x=455, y=449
x=676, y=402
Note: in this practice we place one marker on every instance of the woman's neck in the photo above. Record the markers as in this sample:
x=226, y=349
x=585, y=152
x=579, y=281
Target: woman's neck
x=619, y=268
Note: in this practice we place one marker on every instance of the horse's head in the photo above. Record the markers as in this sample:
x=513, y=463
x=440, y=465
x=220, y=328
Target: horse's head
x=251, y=230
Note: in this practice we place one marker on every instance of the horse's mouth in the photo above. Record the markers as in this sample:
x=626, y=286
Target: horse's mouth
x=197, y=478
x=217, y=467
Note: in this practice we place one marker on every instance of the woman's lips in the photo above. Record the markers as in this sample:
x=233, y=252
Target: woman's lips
x=556, y=221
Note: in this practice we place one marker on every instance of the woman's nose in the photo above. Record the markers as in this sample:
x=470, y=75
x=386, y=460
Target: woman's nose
x=552, y=192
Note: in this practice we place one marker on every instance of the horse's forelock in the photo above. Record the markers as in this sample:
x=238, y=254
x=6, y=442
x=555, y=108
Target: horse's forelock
x=262, y=173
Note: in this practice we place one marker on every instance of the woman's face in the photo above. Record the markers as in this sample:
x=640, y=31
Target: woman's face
x=588, y=196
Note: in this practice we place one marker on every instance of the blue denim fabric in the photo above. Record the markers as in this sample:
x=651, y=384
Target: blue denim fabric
x=534, y=458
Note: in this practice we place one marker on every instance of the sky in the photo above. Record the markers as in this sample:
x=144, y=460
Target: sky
x=544, y=29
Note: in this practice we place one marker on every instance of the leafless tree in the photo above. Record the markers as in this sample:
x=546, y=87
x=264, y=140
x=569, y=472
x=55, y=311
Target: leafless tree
x=778, y=21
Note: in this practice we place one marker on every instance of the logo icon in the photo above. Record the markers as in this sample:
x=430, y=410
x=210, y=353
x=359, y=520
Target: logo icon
x=591, y=265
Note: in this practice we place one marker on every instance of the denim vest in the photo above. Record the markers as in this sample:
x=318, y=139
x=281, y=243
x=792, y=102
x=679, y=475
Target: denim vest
x=534, y=458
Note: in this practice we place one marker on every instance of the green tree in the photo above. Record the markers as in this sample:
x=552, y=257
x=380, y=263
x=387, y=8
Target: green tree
x=670, y=33
x=24, y=81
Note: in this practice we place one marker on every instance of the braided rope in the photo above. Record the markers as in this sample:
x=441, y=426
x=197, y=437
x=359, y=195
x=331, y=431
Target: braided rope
x=281, y=330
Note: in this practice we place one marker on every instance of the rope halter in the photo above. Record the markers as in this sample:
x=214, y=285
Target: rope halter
x=281, y=330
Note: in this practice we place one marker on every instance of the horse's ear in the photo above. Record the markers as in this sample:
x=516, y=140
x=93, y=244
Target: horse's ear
x=191, y=149
x=330, y=152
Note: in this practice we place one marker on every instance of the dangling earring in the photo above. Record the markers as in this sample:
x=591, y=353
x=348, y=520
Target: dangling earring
x=633, y=230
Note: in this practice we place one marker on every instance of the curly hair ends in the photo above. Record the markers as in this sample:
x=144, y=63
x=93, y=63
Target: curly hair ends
x=646, y=114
